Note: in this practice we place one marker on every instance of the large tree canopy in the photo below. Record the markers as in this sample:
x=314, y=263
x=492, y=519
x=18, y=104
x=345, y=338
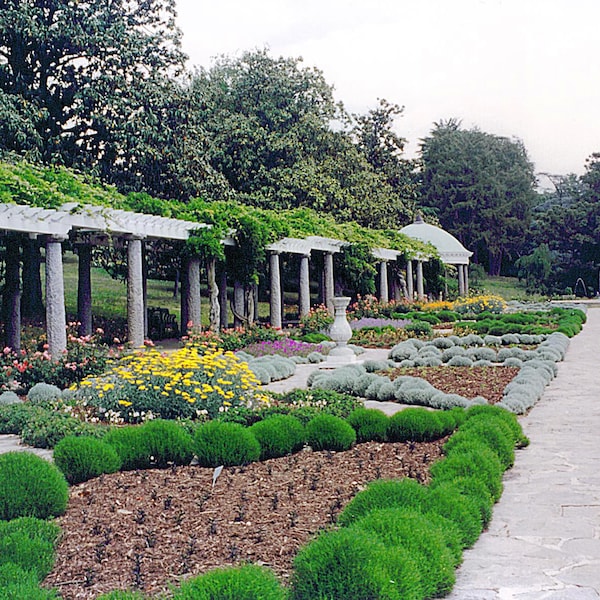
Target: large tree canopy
x=92, y=84
x=281, y=141
x=481, y=187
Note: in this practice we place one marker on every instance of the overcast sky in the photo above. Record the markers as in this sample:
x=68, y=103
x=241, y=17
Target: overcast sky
x=528, y=69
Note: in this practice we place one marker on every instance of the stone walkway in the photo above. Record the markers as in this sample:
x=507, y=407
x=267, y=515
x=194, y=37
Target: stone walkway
x=544, y=539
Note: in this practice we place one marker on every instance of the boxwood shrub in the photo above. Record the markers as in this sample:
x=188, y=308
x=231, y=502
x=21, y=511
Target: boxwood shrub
x=352, y=564
x=81, y=458
x=247, y=582
x=414, y=424
x=383, y=493
x=217, y=443
x=278, y=435
x=370, y=424
x=326, y=432
x=30, y=486
x=424, y=540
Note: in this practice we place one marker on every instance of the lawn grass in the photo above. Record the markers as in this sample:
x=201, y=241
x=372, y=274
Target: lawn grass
x=509, y=288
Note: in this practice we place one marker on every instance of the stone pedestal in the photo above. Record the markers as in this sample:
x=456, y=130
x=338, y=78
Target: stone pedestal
x=340, y=332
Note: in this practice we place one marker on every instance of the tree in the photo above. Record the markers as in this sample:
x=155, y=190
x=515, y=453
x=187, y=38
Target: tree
x=384, y=149
x=568, y=221
x=281, y=141
x=93, y=85
x=481, y=187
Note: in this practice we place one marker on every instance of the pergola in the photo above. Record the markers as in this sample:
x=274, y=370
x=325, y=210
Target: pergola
x=451, y=251
x=87, y=226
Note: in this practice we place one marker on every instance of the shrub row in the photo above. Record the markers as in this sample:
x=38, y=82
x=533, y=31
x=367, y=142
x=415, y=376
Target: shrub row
x=401, y=539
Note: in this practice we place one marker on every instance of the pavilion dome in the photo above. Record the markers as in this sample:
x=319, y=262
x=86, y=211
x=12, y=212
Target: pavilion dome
x=451, y=251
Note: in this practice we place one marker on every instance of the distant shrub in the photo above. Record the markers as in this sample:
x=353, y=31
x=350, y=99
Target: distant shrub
x=350, y=564
x=7, y=398
x=247, y=582
x=494, y=433
x=217, y=443
x=326, y=432
x=45, y=428
x=370, y=424
x=43, y=393
x=13, y=417
x=278, y=435
x=30, y=486
x=82, y=458
x=131, y=445
x=419, y=328
x=414, y=424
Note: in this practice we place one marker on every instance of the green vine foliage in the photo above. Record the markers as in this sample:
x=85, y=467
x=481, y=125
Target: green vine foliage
x=252, y=228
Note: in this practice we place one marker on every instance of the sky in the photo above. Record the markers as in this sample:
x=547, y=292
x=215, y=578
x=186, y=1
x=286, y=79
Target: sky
x=525, y=69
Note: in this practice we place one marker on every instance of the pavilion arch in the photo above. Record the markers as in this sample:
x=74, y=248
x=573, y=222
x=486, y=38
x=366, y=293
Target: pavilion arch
x=450, y=250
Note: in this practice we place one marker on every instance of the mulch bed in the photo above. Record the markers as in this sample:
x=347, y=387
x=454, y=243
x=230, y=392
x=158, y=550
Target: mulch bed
x=143, y=529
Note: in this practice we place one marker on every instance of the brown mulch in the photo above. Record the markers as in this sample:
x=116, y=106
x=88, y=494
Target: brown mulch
x=469, y=382
x=141, y=530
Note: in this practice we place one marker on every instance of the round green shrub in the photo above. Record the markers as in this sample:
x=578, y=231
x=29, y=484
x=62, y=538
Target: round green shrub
x=474, y=460
x=451, y=419
x=384, y=493
x=168, y=443
x=30, y=486
x=326, y=432
x=217, y=443
x=447, y=500
x=350, y=564
x=507, y=417
x=278, y=435
x=81, y=458
x=370, y=424
x=495, y=434
x=35, y=555
x=32, y=527
x=476, y=490
x=131, y=445
x=248, y=582
x=422, y=538
x=414, y=424
x=19, y=584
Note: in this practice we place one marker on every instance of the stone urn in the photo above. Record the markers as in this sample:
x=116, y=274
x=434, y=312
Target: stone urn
x=340, y=332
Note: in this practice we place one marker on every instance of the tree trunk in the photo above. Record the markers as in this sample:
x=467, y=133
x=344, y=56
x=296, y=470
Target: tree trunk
x=32, y=306
x=495, y=263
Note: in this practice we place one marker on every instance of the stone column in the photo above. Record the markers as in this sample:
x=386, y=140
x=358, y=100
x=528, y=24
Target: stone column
x=461, y=280
x=275, y=297
x=466, y=276
x=135, y=293
x=410, y=284
x=84, y=289
x=304, y=286
x=384, y=295
x=420, y=290
x=56, y=321
x=11, y=302
x=193, y=295
x=238, y=304
x=329, y=282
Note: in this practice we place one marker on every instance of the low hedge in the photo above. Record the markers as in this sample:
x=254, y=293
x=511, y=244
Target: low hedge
x=326, y=432
x=217, y=443
x=82, y=458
